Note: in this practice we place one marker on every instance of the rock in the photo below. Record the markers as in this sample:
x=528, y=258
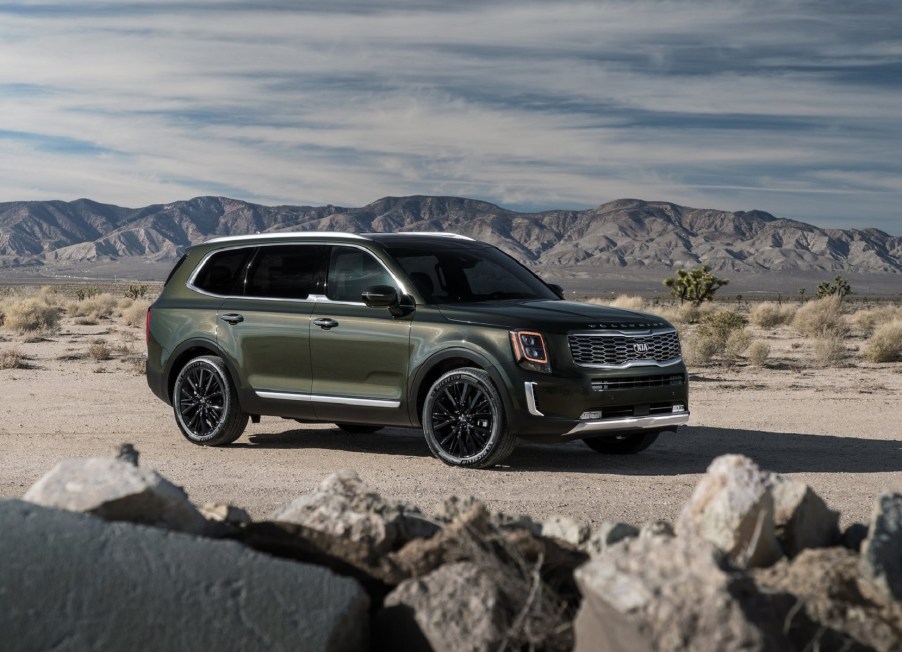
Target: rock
x=656, y=529
x=881, y=553
x=452, y=508
x=225, y=513
x=127, y=453
x=733, y=508
x=828, y=605
x=116, y=490
x=70, y=581
x=456, y=608
x=566, y=529
x=344, y=506
x=607, y=534
x=801, y=518
x=667, y=593
x=853, y=536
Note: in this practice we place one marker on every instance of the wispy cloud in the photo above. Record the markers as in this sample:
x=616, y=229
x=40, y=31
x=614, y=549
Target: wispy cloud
x=791, y=107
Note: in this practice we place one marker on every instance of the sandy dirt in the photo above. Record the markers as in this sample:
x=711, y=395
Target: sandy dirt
x=838, y=429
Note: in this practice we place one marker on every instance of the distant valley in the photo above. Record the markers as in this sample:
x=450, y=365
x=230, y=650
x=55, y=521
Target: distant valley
x=627, y=241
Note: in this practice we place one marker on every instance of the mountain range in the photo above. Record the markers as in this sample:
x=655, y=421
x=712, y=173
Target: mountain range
x=626, y=234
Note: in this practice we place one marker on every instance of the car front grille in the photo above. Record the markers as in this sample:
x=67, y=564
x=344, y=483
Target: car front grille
x=607, y=384
x=617, y=349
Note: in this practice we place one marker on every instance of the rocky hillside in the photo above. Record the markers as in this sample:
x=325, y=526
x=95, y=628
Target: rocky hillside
x=624, y=233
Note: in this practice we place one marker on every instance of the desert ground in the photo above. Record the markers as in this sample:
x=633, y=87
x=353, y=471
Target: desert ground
x=833, y=420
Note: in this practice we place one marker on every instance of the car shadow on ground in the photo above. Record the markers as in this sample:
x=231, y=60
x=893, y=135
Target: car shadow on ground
x=688, y=451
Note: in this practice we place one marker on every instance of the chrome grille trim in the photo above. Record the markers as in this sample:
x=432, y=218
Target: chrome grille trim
x=621, y=349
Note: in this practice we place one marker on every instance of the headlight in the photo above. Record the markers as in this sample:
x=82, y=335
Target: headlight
x=530, y=351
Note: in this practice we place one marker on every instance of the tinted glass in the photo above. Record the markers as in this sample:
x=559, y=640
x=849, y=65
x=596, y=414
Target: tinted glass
x=222, y=272
x=351, y=271
x=285, y=272
x=468, y=275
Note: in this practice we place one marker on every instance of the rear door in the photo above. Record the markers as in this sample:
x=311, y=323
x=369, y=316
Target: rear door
x=266, y=330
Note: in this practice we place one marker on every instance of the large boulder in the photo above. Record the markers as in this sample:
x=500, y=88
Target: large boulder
x=344, y=506
x=881, y=553
x=733, y=508
x=566, y=529
x=649, y=594
x=116, y=490
x=828, y=605
x=802, y=519
x=71, y=581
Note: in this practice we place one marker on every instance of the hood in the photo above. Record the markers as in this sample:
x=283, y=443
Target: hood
x=551, y=316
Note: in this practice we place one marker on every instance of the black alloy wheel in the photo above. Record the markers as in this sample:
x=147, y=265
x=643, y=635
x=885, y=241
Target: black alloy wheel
x=463, y=420
x=205, y=404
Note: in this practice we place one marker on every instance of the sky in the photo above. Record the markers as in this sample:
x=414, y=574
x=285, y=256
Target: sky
x=787, y=106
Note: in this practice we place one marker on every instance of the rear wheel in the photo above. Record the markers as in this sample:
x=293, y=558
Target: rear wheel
x=626, y=444
x=464, y=421
x=357, y=428
x=205, y=404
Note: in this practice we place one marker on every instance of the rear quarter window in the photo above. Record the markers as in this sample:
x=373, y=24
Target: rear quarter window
x=222, y=272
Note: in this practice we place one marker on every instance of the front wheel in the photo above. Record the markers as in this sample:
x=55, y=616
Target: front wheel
x=464, y=421
x=626, y=444
x=205, y=404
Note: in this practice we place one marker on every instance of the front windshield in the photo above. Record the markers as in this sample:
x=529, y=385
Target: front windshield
x=468, y=275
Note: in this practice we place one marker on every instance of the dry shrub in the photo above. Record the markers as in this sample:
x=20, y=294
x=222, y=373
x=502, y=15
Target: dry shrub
x=138, y=366
x=769, y=314
x=829, y=350
x=100, y=306
x=628, y=302
x=822, y=319
x=699, y=349
x=99, y=350
x=869, y=319
x=737, y=342
x=720, y=325
x=685, y=313
x=32, y=316
x=12, y=358
x=885, y=345
x=758, y=352
x=135, y=314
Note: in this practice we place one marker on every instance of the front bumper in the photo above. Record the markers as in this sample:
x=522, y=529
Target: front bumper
x=657, y=421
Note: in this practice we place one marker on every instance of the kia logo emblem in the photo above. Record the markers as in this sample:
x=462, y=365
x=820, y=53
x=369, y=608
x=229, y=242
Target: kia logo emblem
x=641, y=347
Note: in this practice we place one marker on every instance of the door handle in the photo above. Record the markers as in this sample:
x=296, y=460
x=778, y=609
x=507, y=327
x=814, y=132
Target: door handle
x=232, y=318
x=325, y=324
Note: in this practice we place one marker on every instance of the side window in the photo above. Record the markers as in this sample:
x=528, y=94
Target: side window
x=285, y=271
x=221, y=274
x=351, y=271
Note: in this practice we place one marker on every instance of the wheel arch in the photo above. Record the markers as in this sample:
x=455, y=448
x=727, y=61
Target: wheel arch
x=441, y=363
x=189, y=350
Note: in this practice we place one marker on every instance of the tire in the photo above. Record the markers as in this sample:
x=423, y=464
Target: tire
x=626, y=444
x=464, y=421
x=357, y=428
x=205, y=403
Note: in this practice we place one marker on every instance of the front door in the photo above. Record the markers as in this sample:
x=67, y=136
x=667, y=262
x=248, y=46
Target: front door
x=359, y=355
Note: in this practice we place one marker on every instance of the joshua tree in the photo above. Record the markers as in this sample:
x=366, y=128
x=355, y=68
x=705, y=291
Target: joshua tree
x=839, y=287
x=694, y=285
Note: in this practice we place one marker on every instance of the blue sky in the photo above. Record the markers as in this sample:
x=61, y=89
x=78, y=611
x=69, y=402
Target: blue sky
x=786, y=106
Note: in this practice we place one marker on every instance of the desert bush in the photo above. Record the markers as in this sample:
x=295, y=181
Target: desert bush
x=758, y=353
x=135, y=314
x=627, y=302
x=99, y=350
x=769, y=314
x=98, y=306
x=885, y=345
x=11, y=358
x=685, y=313
x=695, y=285
x=699, y=349
x=136, y=291
x=86, y=293
x=829, y=350
x=821, y=318
x=869, y=319
x=720, y=324
x=32, y=315
x=838, y=288
x=737, y=342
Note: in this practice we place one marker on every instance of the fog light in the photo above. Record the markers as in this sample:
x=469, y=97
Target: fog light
x=679, y=408
x=586, y=416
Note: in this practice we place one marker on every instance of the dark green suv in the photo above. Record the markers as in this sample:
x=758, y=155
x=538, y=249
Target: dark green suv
x=414, y=330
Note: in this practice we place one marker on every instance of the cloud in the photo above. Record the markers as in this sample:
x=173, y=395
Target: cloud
x=790, y=107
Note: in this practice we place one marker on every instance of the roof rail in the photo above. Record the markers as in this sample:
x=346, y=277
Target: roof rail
x=288, y=234
x=438, y=234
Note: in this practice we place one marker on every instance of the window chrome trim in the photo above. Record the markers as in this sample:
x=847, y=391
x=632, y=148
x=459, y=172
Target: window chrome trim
x=342, y=400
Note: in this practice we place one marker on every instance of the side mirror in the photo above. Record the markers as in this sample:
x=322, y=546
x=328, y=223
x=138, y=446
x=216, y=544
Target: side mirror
x=557, y=289
x=380, y=296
